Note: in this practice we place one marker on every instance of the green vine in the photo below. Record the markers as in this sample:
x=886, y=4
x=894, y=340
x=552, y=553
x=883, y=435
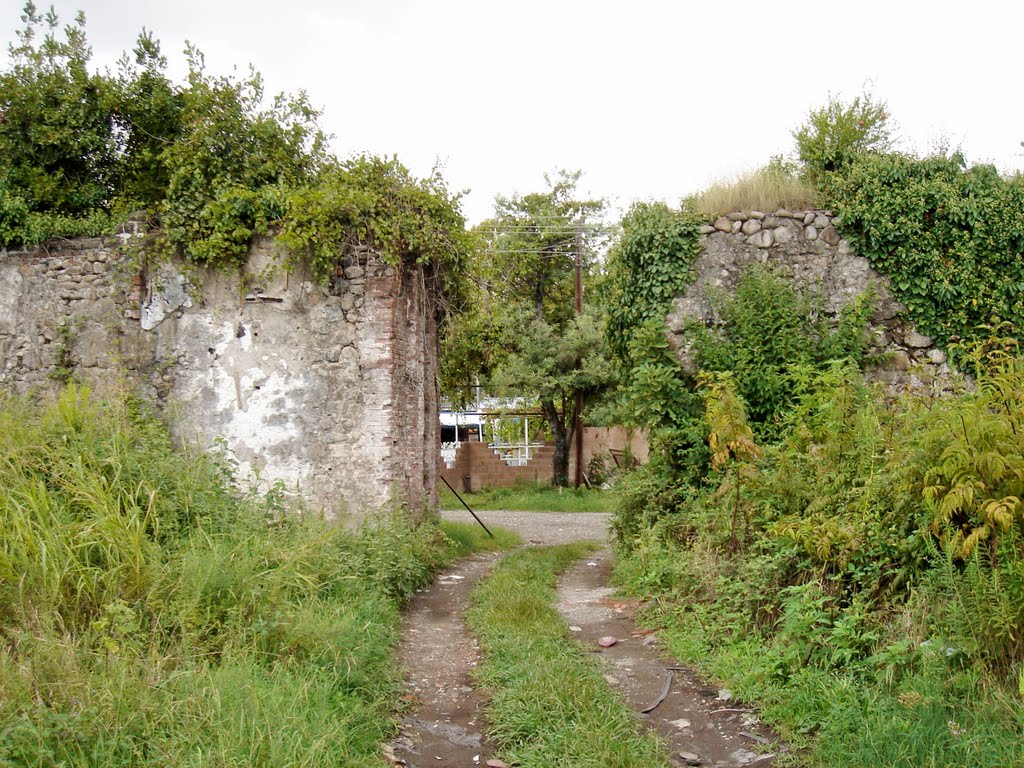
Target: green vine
x=208, y=159
x=63, y=362
x=648, y=268
x=949, y=237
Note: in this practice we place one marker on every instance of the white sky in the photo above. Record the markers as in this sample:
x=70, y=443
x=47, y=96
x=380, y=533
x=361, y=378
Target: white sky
x=652, y=100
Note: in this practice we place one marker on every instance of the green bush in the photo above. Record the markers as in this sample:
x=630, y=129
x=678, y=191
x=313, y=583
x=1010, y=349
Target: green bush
x=883, y=566
x=949, y=237
x=835, y=135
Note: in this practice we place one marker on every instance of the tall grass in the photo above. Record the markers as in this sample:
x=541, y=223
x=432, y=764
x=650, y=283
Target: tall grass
x=151, y=615
x=767, y=189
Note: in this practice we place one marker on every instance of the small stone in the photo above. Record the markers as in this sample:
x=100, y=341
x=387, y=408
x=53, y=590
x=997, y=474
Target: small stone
x=611, y=680
x=821, y=221
x=829, y=235
x=690, y=758
x=724, y=695
x=744, y=756
x=736, y=227
x=706, y=229
x=762, y=239
x=681, y=723
x=608, y=641
x=574, y=628
x=916, y=340
x=897, y=360
x=782, y=213
x=809, y=218
x=333, y=355
x=750, y=227
x=354, y=272
x=723, y=224
x=782, y=235
x=496, y=763
x=810, y=233
x=736, y=216
x=936, y=356
x=757, y=215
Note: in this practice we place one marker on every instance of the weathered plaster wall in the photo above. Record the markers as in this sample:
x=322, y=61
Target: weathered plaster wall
x=328, y=389
x=807, y=247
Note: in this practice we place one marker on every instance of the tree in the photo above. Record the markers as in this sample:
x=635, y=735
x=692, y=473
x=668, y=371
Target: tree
x=833, y=135
x=58, y=149
x=524, y=336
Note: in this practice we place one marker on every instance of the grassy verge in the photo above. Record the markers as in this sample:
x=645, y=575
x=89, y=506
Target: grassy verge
x=152, y=614
x=534, y=498
x=470, y=537
x=925, y=713
x=551, y=706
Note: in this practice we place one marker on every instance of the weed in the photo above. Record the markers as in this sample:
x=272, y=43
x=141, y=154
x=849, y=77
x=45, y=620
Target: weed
x=151, y=615
x=777, y=185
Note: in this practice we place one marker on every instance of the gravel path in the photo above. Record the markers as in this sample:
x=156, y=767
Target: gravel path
x=543, y=527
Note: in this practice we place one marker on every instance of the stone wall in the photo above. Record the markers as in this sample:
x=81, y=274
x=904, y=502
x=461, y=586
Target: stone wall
x=329, y=389
x=807, y=247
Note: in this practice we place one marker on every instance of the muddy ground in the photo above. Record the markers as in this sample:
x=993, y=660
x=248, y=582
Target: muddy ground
x=444, y=725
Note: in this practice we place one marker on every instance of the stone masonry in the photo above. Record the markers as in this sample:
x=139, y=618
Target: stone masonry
x=807, y=247
x=328, y=389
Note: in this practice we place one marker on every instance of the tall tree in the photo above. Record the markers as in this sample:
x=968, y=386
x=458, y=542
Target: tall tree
x=525, y=337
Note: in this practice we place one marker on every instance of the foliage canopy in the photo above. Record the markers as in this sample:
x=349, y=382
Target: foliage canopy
x=213, y=159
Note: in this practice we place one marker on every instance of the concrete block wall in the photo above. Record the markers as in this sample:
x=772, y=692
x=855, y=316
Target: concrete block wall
x=477, y=467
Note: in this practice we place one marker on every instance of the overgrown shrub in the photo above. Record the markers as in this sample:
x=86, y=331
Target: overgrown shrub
x=210, y=160
x=152, y=614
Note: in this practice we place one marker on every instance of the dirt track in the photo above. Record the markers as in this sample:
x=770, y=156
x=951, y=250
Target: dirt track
x=699, y=725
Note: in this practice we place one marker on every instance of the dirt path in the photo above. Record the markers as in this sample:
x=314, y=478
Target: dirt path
x=445, y=727
x=438, y=656
x=700, y=725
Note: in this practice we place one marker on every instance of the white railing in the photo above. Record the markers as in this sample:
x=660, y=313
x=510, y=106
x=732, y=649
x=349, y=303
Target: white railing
x=516, y=454
x=448, y=453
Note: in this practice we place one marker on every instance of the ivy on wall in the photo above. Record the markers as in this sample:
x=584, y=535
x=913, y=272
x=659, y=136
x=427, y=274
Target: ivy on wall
x=949, y=237
x=648, y=268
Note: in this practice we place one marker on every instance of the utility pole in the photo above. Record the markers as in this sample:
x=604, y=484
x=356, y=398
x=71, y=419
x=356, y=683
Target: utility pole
x=577, y=419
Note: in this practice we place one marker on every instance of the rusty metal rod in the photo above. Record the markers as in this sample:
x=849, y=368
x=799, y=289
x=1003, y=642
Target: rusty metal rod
x=465, y=505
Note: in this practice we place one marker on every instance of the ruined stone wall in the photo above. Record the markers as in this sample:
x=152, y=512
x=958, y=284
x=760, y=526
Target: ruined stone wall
x=807, y=247
x=329, y=389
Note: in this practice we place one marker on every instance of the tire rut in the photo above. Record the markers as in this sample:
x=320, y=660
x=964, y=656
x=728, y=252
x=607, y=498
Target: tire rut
x=438, y=655
x=698, y=724
x=445, y=725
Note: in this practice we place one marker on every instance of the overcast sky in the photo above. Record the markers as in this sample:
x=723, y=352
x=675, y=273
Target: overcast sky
x=652, y=100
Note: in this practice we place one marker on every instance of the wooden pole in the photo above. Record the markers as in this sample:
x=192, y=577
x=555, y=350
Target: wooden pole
x=577, y=417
